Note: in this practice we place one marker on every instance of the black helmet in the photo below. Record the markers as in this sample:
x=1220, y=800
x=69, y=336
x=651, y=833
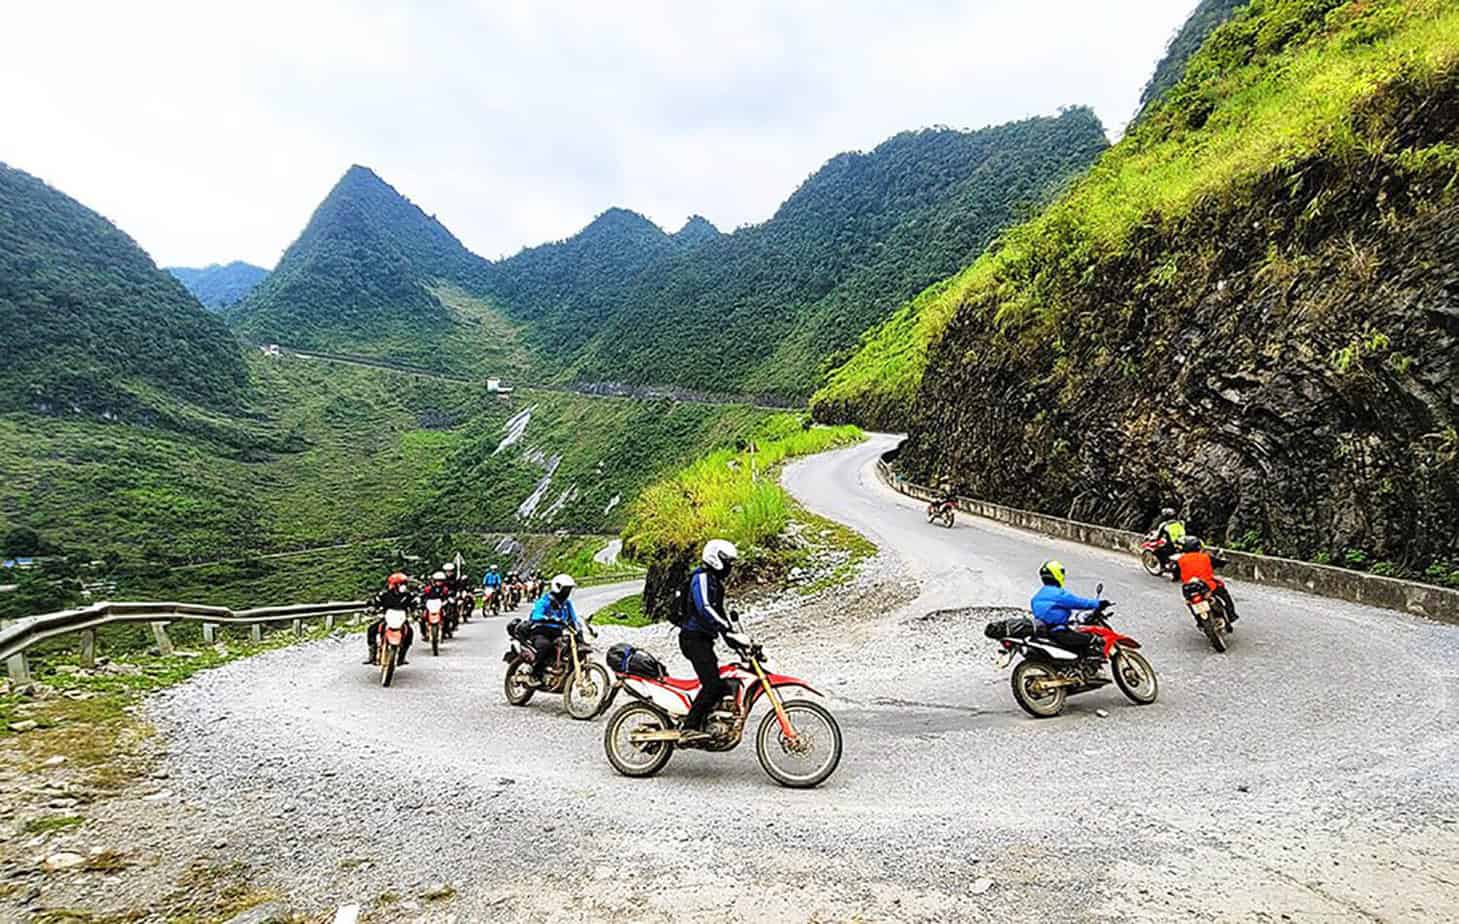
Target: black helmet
x=1190, y=544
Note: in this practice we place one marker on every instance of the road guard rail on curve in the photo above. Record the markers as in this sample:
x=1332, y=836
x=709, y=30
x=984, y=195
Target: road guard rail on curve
x=1324, y=580
x=18, y=635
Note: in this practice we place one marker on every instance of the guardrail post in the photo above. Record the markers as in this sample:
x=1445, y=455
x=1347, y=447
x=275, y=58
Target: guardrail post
x=257, y=631
x=298, y=628
x=88, y=648
x=210, y=632
x=164, y=644
x=329, y=622
x=15, y=664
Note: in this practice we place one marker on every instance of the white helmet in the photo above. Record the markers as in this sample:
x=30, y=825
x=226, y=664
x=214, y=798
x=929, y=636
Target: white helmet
x=439, y=576
x=718, y=553
x=562, y=585
x=449, y=567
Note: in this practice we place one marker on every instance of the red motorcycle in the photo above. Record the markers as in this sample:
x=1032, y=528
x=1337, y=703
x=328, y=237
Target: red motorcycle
x=392, y=636
x=1209, y=611
x=798, y=741
x=433, y=623
x=1049, y=674
x=942, y=511
x=1150, y=557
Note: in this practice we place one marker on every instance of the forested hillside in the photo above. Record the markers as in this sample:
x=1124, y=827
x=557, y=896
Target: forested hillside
x=217, y=286
x=1202, y=22
x=91, y=324
x=760, y=309
x=1249, y=308
x=362, y=278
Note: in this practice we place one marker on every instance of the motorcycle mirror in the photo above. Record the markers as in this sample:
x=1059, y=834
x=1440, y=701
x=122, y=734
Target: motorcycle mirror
x=1099, y=589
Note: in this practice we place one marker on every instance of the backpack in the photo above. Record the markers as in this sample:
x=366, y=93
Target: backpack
x=679, y=610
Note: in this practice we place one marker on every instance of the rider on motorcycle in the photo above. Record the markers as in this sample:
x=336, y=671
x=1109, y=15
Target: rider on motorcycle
x=1196, y=564
x=492, y=580
x=395, y=596
x=1170, y=531
x=552, y=615
x=1053, y=610
x=438, y=588
x=705, y=620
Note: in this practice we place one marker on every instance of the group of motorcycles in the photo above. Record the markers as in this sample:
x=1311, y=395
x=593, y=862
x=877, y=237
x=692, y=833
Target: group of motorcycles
x=439, y=607
x=798, y=742
x=510, y=594
x=1206, y=606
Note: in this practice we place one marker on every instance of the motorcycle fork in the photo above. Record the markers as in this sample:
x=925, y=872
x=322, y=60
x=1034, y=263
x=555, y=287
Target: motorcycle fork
x=573, y=677
x=785, y=727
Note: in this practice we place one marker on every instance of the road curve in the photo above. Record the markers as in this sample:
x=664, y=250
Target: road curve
x=1310, y=772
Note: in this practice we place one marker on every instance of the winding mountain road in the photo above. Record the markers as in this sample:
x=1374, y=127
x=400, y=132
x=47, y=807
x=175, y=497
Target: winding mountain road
x=1309, y=774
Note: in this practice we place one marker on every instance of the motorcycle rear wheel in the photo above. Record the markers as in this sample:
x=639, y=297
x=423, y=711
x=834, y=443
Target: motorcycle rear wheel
x=1151, y=563
x=947, y=519
x=587, y=696
x=387, y=665
x=1039, y=705
x=812, y=757
x=1135, y=677
x=518, y=683
x=1215, y=628
x=631, y=759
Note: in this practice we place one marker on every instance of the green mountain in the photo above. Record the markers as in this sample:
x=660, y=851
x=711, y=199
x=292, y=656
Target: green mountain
x=371, y=274
x=219, y=285
x=1207, y=15
x=91, y=324
x=759, y=310
x=1249, y=308
x=697, y=230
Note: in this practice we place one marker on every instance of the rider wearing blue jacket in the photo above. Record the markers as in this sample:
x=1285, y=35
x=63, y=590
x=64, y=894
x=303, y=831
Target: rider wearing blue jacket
x=1053, y=608
x=553, y=614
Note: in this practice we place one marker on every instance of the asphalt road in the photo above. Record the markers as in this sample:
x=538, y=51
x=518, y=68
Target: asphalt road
x=1309, y=773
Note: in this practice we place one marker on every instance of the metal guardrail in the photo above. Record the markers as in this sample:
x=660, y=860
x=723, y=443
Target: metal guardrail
x=19, y=635
x=1308, y=577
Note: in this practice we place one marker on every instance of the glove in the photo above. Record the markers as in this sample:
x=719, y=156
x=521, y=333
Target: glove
x=1105, y=604
x=737, y=640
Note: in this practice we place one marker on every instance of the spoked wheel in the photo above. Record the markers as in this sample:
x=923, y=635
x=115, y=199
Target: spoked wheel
x=1037, y=700
x=587, y=696
x=387, y=664
x=436, y=639
x=947, y=519
x=637, y=759
x=518, y=682
x=810, y=756
x=1151, y=563
x=1135, y=677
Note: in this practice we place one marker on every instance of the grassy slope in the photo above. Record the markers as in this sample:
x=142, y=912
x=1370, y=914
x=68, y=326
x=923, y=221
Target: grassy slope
x=1255, y=98
x=333, y=454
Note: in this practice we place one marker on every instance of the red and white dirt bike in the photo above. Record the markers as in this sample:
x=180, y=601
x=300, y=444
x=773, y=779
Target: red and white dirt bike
x=491, y=601
x=392, y=634
x=433, y=623
x=1150, y=560
x=1049, y=674
x=798, y=741
x=942, y=511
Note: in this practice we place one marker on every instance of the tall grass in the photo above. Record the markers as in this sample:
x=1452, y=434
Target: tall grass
x=731, y=494
x=1280, y=83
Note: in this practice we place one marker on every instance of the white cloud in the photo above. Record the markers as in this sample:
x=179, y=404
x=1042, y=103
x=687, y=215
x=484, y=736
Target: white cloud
x=210, y=132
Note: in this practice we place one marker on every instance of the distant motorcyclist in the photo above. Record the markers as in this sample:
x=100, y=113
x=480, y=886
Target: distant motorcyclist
x=553, y=615
x=1196, y=564
x=395, y=596
x=707, y=619
x=492, y=580
x=1169, y=531
x=437, y=588
x=1054, y=607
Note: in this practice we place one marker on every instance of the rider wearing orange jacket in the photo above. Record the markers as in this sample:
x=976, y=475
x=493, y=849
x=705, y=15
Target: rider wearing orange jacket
x=1196, y=564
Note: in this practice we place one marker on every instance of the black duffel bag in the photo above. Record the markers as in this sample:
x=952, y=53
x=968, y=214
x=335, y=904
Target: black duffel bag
x=623, y=658
x=1019, y=627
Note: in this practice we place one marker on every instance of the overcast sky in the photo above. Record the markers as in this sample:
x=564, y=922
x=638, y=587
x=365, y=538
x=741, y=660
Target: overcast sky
x=209, y=131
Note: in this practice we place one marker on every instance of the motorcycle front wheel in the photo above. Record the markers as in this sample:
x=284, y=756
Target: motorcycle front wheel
x=1044, y=705
x=1135, y=677
x=1151, y=563
x=587, y=695
x=387, y=664
x=436, y=639
x=807, y=759
x=518, y=683
x=632, y=759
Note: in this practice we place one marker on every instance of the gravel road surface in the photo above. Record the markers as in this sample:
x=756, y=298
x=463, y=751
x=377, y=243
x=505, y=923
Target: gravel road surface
x=1309, y=774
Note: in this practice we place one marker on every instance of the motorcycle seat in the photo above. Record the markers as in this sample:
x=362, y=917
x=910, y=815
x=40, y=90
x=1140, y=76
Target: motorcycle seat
x=681, y=683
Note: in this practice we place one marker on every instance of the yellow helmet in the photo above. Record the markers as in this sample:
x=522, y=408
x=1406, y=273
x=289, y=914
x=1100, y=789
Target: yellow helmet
x=1052, y=570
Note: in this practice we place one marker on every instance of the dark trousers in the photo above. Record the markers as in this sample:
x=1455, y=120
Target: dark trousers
x=372, y=635
x=1225, y=597
x=543, y=640
x=698, y=647
x=1077, y=642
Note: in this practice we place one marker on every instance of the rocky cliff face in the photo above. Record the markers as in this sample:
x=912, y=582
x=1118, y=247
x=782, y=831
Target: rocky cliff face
x=1283, y=365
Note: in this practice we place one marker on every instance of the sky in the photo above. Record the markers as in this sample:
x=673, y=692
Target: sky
x=210, y=131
